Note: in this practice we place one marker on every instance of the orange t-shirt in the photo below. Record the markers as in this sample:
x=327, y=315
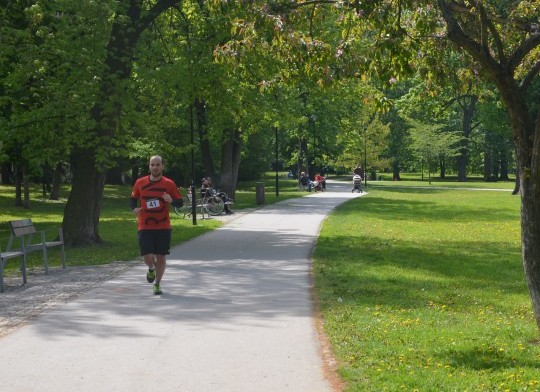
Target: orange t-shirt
x=155, y=211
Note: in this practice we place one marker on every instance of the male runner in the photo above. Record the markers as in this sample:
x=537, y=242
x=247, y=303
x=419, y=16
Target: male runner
x=155, y=192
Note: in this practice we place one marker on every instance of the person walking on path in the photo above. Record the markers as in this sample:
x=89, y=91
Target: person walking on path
x=359, y=171
x=154, y=192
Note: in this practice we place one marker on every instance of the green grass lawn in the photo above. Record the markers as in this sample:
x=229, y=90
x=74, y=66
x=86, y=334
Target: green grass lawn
x=423, y=290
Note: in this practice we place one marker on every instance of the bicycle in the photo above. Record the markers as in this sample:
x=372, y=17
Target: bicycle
x=212, y=205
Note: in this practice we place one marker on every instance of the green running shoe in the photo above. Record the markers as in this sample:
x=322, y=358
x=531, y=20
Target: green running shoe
x=151, y=275
x=157, y=289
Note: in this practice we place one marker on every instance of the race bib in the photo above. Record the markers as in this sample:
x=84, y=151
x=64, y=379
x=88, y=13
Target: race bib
x=153, y=203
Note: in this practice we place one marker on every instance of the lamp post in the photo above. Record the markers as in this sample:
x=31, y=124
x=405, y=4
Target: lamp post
x=192, y=188
x=277, y=173
x=365, y=156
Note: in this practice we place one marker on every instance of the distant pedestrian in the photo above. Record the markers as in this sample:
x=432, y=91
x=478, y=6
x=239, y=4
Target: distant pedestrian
x=154, y=193
x=304, y=180
x=359, y=171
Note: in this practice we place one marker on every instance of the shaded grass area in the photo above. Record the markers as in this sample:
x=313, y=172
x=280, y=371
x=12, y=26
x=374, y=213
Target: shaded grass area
x=415, y=179
x=424, y=290
x=117, y=226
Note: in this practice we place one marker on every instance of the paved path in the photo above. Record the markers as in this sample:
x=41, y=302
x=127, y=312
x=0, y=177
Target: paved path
x=236, y=315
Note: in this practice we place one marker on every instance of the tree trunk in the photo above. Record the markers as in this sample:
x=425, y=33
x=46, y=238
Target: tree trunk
x=18, y=186
x=26, y=187
x=530, y=230
x=81, y=216
x=504, y=166
x=463, y=159
x=206, y=151
x=304, y=156
x=114, y=176
x=395, y=171
x=6, y=174
x=442, y=163
x=496, y=166
x=134, y=174
x=516, y=184
x=487, y=164
x=527, y=137
x=46, y=180
x=230, y=161
x=56, y=182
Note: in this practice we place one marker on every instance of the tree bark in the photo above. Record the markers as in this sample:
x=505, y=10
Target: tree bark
x=134, y=174
x=6, y=174
x=488, y=163
x=18, y=186
x=516, y=184
x=26, y=188
x=442, y=164
x=114, y=176
x=230, y=161
x=396, y=171
x=56, y=182
x=529, y=176
x=204, y=143
x=83, y=207
x=504, y=165
x=463, y=159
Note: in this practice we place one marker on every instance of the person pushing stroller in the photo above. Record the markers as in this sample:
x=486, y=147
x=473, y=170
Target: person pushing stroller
x=357, y=183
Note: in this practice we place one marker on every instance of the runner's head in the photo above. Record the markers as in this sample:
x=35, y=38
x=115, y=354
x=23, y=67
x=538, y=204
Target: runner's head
x=156, y=167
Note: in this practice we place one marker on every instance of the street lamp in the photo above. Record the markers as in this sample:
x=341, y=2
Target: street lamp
x=192, y=188
x=277, y=173
x=365, y=156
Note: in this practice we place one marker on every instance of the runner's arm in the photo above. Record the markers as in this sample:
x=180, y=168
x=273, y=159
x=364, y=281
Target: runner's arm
x=177, y=202
x=132, y=203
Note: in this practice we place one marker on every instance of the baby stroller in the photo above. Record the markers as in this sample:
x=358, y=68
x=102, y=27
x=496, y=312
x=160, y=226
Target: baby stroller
x=357, y=183
x=318, y=184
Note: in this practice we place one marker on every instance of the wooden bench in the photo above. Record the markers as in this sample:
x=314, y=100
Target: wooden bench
x=5, y=256
x=32, y=240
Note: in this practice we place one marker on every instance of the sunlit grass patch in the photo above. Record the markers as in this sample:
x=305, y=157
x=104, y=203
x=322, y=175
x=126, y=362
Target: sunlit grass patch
x=424, y=290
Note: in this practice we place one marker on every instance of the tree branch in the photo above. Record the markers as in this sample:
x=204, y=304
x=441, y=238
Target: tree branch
x=484, y=41
x=523, y=50
x=457, y=35
x=311, y=21
x=527, y=80
x=449, y=103
x=149, y=16
x=494, y=33
x=41, y=120
x=527, y=26
x=308, y=2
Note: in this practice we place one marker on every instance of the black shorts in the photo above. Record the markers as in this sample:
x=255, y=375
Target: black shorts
x=157, y=242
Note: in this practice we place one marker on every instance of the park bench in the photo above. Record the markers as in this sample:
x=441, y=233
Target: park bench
x=30, y=240
x=5, y=256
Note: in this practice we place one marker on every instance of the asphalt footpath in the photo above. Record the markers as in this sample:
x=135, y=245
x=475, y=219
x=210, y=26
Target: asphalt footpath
x=236, y=315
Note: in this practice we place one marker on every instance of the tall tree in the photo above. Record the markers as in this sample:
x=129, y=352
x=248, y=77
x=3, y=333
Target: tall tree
x=506, y=42
x=90, y=160
x=432, y=144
